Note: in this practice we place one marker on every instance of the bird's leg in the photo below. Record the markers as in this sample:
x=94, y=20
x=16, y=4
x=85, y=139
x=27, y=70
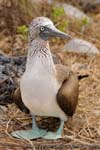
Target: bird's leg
x=37, y=131
x=57, y=134
x=34, y=133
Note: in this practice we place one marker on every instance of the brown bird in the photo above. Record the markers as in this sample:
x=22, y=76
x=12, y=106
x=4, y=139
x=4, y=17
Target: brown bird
x=46, y=89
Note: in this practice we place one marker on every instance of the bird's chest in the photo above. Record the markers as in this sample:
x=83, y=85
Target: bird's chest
x=38, y=87
x=40, y=78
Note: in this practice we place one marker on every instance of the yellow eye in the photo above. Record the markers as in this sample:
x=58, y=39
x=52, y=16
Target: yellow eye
x=42, y=28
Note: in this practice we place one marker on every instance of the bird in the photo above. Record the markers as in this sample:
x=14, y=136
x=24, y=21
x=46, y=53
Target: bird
x=46, y=89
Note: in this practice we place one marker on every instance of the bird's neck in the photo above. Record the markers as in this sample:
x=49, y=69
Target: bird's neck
x=39, y=50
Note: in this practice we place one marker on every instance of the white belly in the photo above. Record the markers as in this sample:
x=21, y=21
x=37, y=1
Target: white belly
x=38, y=90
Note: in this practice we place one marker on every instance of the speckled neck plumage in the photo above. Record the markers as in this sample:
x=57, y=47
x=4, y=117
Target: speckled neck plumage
x=39, y=50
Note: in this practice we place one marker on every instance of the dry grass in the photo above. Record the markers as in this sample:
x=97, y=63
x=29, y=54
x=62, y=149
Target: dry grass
x=80, y=132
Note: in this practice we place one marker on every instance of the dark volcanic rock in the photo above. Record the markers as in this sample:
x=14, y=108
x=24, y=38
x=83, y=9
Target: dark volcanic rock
x=11, y=68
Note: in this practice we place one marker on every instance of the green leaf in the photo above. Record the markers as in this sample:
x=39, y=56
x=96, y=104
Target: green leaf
x=85, y=21
x=57, y=12
x=22, y=29
x=63, y=25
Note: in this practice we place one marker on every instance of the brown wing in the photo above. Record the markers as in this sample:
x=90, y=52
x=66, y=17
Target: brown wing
x=62, y=72
x=18, y=101
x=67, y=96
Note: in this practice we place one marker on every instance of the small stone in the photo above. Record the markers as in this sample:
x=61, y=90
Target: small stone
x=74, y=12
x=1, y=68
x=81, y=46
x=42, y=1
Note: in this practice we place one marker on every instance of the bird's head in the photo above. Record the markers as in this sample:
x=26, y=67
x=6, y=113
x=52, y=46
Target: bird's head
x=42, y=27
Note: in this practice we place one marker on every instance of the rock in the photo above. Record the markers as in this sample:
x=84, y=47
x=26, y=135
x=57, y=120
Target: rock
x=11, y=68
x=74, y=12
x=81, y=46
x=1, y=68
x=42, y=1
x=4, y=59
x=87, y=5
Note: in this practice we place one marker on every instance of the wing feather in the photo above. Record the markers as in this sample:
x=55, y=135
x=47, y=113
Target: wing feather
x=67, y=96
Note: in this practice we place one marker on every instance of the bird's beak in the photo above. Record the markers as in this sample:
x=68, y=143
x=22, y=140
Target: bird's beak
x=54, y=32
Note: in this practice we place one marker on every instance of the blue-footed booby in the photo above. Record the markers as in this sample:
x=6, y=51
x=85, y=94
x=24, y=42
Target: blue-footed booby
x=46, y=89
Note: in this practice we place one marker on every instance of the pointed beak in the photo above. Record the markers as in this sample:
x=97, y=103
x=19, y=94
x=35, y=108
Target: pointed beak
x=54, y=32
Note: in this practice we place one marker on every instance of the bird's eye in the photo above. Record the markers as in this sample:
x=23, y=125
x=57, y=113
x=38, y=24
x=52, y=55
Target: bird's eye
x=42, y=28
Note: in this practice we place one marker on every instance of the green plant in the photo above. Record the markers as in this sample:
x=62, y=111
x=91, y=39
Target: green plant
x=85, y=21
x=63, y=25
x=57, y=12
x=22, y=29
x=59, y=17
